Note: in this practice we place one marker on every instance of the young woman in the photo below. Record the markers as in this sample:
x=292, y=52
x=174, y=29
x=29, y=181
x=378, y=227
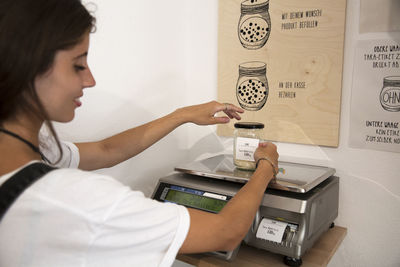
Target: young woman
x=73, y=217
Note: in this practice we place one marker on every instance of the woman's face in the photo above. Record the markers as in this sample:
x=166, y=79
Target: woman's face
x=61, y=88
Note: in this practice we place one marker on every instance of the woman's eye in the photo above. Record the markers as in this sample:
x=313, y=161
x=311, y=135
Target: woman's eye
x=79, y=67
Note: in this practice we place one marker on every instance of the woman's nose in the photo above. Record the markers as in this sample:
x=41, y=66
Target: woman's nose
x=89, y=80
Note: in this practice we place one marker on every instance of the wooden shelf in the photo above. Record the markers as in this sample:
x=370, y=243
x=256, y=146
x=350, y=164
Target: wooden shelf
x=319, y=255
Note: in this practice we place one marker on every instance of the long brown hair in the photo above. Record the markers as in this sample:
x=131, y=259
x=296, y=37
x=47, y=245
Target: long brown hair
x=31, y=32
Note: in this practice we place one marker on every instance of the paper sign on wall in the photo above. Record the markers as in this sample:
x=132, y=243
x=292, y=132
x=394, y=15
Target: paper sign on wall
x=375, y=98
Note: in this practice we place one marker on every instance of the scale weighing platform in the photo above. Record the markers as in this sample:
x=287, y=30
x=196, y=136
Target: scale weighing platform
x=297, y=208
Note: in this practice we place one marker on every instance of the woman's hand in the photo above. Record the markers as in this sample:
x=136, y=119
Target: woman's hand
x=267, y=150
x=204, y=114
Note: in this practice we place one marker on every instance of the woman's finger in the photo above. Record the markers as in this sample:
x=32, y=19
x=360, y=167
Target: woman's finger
x=232, y=111
x=232, y=115
x=228, y=107
x=233, y=108
x=220, y=120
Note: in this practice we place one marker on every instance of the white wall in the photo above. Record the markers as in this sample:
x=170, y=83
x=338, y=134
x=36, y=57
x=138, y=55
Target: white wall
x=151, y=57
x=138, y=58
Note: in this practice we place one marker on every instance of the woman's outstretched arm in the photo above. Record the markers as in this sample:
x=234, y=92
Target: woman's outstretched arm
x=127, y=144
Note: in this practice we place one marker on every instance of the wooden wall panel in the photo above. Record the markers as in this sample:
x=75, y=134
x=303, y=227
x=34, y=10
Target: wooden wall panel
x=303, y=55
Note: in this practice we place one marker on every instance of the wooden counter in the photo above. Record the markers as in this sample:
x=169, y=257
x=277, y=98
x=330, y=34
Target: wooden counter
x=319, y=255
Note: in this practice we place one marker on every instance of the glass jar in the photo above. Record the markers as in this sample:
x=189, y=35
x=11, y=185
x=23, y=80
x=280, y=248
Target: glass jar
x=247, y=136
x=252, y=85
x=390, y=94
x=254, y=23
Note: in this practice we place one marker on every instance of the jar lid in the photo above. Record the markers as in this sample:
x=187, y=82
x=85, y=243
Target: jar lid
x=392, y=81
x=253, y=68
x=249, y=125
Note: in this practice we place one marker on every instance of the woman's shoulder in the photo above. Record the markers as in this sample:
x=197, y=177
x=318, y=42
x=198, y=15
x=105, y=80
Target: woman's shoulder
x=84, y=192
x=65, y=178
x=73, y=175
x=76, y=180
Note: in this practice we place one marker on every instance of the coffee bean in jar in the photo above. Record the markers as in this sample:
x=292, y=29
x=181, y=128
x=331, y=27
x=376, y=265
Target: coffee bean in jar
x=247, y=136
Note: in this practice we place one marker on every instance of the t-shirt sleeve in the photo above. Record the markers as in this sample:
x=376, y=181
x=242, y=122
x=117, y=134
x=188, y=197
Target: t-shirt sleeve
x=70, y=152
x=141, y=231
x=70, y=158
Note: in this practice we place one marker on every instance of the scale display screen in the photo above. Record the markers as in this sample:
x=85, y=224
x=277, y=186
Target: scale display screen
x=195, y=200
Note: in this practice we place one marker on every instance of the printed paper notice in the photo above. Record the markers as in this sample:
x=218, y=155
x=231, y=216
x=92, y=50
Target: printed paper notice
x=245, y=148
x=375, y=98
x=271, y=230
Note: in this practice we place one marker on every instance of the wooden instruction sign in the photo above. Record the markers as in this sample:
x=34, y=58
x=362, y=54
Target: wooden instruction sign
x=281, y=61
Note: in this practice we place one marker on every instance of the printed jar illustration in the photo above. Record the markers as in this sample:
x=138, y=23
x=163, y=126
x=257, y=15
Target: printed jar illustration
x=252, y=85
x=390, y=94
x=254, y=24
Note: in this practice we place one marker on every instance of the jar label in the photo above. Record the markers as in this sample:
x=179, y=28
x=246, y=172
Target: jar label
x=245, y=148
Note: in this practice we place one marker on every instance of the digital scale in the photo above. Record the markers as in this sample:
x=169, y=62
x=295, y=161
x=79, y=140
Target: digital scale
x=297, y=208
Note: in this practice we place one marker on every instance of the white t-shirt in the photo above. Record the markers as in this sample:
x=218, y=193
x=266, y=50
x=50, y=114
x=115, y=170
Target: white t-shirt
x=74, y=218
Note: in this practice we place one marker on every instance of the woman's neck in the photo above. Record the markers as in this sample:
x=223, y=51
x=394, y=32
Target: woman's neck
x=14, y=153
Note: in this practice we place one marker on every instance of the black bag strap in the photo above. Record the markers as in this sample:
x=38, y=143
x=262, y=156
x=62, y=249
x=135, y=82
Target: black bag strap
x=11, y=189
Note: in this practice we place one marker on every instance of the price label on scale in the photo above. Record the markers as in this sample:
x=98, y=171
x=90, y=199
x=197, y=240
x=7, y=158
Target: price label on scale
x=271, y=230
